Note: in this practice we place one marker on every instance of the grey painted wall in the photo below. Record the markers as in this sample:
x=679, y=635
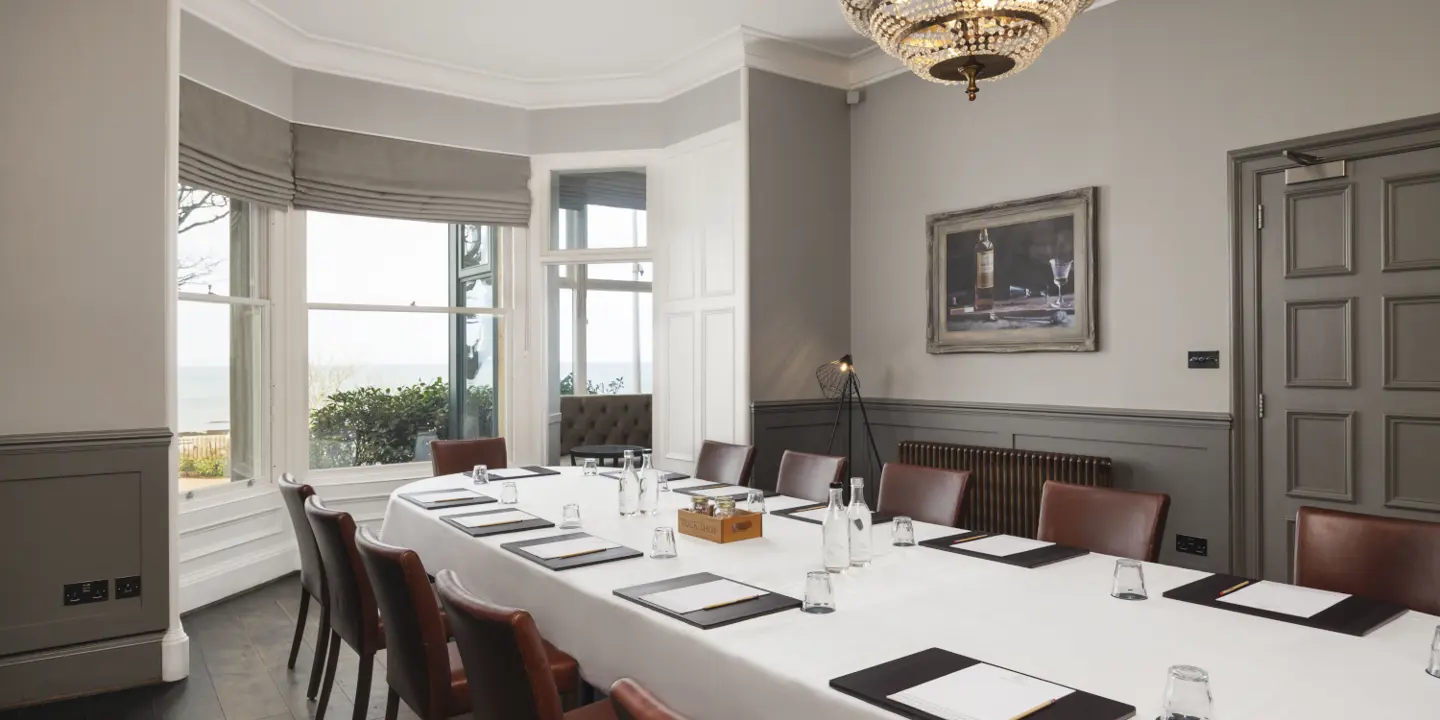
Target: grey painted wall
x=638, y=126
x=799, y=230
x=701, y=109
x=1143, y=98
x=1186, y=456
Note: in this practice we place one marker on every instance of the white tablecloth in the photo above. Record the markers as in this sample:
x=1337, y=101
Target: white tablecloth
x=1058, y=622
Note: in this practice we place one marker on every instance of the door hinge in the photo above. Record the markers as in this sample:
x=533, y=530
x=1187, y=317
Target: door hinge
x=1262, y=406
x=1259, y=217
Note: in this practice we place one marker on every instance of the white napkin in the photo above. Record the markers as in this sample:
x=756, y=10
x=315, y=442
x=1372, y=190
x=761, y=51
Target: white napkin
x=510, y=473
x=1002, y=545
x=1284, y=599
x=550, y=551
x=499, y=518
x=699, y=597
x=981, y=692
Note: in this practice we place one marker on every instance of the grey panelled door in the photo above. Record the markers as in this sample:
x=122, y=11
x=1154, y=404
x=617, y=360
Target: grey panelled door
x=1350, y=345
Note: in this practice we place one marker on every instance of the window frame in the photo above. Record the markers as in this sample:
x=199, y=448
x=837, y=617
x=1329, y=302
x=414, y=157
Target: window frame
x=578, y=281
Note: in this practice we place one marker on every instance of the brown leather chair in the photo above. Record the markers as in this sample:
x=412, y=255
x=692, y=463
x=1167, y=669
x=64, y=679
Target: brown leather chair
x=633, y=702
x=422, y=666
x=312, y=579
x=1379, y=557
x=448, y=457
x=807, y=476
x=353, y=614
x=926, y=494
x=509, y=667
x=725, y=463
x=1113, y=522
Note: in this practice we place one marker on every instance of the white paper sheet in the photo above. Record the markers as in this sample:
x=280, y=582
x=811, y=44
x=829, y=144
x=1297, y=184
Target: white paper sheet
x=981, y=692
x=509, y=473
x=499, y=518
x=1284, y=599
x=1002, y=545
x=818, y=514
x=699, y=597
x=687, y=483
x=444, y=496
x=723, y=492
x=550, y=551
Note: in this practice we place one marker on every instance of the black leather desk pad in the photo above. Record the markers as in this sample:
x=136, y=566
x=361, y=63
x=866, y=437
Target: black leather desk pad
x=1039, y=557
x=596, y=558
x=740, y=490
x=535, y=471
x=478, y=499
x=1354, y=615
x=707, y=619
x=534, y=523
x=875, y=517
x=874, y=685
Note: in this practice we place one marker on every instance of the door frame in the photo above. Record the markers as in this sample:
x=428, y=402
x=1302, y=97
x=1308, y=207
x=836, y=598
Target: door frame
x=1247, y=168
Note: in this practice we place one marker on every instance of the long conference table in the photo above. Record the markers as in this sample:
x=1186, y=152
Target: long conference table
x=1056, y=622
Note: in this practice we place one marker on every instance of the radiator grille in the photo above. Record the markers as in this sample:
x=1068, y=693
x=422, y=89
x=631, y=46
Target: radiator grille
x=1004, y=494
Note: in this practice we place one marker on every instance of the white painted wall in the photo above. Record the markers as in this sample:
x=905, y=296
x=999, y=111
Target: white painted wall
x=1144, y=99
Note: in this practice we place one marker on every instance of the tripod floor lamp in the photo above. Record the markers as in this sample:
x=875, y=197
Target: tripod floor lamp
x=839, y=382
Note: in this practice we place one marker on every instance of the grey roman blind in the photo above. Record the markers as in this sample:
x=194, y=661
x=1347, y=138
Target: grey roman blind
x=233, y=148
x=338, y=171
x=620, y=189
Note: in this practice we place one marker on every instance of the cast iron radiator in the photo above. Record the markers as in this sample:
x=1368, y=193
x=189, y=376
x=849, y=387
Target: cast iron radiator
x=1004, y=487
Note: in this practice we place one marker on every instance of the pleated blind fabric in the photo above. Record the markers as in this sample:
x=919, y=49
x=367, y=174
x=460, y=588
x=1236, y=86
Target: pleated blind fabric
x=620, y=189
x=345, y=172
x=233, y=148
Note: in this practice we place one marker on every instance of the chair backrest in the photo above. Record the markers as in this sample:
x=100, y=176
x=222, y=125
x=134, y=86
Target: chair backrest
x=505, y=661
x=1104, y=520
x=926, y=494
x=807, y=476
x=633, y=702
x=448, y=457
x=417, y=653
x=1378, y=557
x=725, y=463
x=353, y=615
x=312, y=573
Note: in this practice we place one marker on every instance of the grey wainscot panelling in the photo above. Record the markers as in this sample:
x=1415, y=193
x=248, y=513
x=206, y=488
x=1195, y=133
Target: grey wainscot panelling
x=1185, y=455
x=81, y=507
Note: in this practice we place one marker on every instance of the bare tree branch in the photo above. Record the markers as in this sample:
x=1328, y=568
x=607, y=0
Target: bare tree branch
x=191, y=201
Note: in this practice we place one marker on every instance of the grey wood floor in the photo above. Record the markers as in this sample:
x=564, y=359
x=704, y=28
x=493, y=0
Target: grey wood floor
x=238, y=650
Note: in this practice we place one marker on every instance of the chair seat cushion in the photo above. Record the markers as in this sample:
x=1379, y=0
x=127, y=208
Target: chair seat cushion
x=565, y=669
x=602, y=710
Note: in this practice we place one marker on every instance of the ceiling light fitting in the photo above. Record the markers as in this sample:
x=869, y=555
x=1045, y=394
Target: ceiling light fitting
x=963, y=41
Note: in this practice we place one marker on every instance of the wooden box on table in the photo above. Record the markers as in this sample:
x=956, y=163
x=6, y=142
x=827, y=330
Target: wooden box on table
x=743, y=525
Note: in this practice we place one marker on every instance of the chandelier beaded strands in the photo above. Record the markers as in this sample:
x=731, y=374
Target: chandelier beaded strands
x=955, y=41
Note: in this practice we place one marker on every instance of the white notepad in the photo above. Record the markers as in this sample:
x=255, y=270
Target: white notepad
x=508, y=473
x=686, y=483
x=723, y=492
x=550, y=551
x=699, y=597
x=1002, y=545
x=1284, y=599
x=436, y=496
x=981, y=692
x=818, y=514
x=500, y=518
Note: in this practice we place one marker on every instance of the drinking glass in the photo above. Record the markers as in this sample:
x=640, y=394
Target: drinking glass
x=1061, y=272
x=570, y=517
x=902, y=532
x=1129, y=581
x=819, y=593
x=509, y=494
x=481, y=474
x=591, y=468
x=755, y=501
x=1187, y=694
x=664, y=544
x=1434, y=668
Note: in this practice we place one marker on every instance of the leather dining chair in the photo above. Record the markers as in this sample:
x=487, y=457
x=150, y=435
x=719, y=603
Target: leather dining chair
x=926, y=494
x=633, y=702
x=448, y=457
x=1103, y=520
x=353, y=614
x=1385, y=558
x=422, y=666
x=807, y=476
x=312, y=579
x=509, y=668
x=725, y=463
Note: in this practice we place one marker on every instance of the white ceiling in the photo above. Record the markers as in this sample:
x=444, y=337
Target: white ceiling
x=549, y=40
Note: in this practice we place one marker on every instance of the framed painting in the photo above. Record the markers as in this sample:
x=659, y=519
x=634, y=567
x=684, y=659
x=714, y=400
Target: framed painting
x=1015, y=277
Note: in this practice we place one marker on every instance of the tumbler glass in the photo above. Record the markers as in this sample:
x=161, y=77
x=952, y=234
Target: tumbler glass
x=1187, y=694
x=591, y=468
x=570, y=517
x=902, y=531
x=509, y=494
x=1129, y=581
x=1434, y=668
x=481, y=474
x=664, y=544
x=755, y=502
x=819, y=593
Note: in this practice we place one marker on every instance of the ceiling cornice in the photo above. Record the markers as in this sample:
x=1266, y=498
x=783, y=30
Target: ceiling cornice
x=258, y=26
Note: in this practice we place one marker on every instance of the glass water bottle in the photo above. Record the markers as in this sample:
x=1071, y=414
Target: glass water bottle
x=836, y=532
x=629, y=487
x=859, y=525
x=649, y=488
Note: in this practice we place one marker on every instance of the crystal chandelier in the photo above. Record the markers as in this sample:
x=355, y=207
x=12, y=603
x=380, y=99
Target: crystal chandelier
x=954, y=41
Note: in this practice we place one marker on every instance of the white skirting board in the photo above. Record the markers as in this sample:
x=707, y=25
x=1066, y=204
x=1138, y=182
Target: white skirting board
x=234, y=576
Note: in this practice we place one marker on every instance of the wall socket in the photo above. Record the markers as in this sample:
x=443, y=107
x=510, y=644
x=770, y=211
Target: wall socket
x=127, y=587
x=1192, y=545
x=84, y=593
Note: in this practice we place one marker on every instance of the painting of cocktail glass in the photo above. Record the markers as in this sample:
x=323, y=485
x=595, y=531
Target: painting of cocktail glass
x=1014, y=277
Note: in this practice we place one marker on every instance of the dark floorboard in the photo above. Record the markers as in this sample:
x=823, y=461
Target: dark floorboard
x=238, y=650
